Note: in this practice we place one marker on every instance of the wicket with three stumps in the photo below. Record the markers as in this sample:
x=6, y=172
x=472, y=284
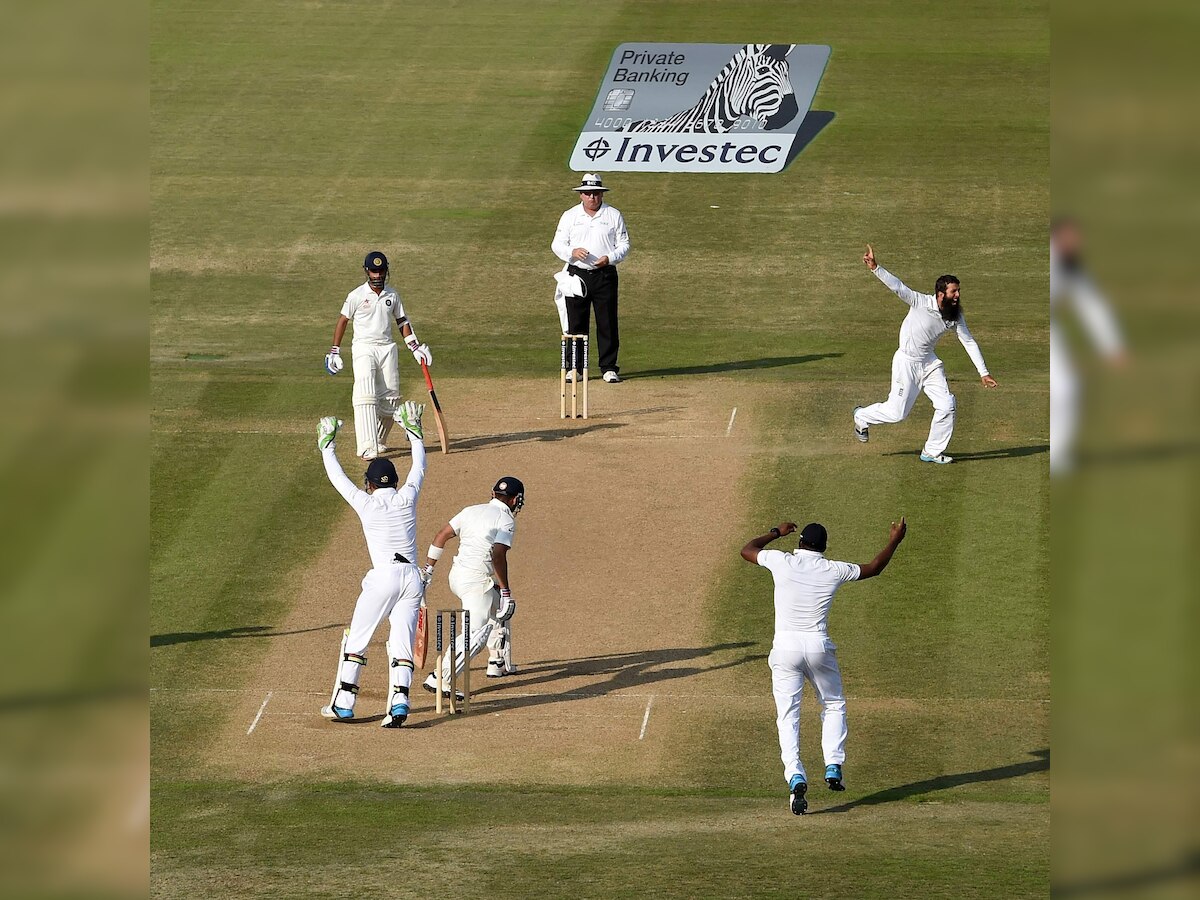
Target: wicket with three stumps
x=442, y=650
x=572, y=358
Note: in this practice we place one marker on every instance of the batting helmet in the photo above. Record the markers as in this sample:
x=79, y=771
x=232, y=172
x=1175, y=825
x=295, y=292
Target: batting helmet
x=375, y=261
x=511, y=487
x=381, y=473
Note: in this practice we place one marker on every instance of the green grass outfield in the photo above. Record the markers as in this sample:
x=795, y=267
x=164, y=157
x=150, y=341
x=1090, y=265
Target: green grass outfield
x=288, y=138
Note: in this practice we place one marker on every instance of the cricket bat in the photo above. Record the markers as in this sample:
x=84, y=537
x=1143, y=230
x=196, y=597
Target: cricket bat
x=437, y=410
x=421, y=638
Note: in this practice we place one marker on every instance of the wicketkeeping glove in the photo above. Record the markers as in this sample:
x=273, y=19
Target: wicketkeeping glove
x=508, y=606
x=327, y=429
x=421, y=352
x=409, y=416
x=333, y=361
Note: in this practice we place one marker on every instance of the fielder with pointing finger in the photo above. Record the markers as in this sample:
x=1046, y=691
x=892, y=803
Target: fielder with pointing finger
x=805, y=582
x=916, y=368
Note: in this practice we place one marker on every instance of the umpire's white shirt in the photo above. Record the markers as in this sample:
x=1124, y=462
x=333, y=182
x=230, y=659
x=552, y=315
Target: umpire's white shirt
x=389, y=516
x=372, y=314
x=805, y=582
x=603, y=234
x=924, y=325
x=478, y=528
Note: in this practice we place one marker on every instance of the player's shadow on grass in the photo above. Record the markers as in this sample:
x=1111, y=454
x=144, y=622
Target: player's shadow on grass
x=239, y=631
x=639, y=668
x=736, y=365
x=978, y=456
x=526, y=437
x=944, y=782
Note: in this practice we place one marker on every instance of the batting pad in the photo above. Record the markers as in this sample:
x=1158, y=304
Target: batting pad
x=366, y=428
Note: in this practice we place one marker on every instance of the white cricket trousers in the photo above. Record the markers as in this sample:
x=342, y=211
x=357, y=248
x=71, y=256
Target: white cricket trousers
x=910, y=376
x=392, y=592
x=795, y=656
x=376, y=391
x=478, y=594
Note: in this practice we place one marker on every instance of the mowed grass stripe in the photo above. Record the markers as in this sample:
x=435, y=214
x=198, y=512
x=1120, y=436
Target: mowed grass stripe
x=309, y=841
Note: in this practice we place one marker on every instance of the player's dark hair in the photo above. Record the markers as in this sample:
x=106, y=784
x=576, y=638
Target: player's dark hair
x=944, y=282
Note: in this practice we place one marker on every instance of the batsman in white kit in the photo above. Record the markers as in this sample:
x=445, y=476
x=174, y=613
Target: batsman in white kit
x=805, y=582
x=916, y=368
x=393, y=588
x=479, y=577
x=372, y=307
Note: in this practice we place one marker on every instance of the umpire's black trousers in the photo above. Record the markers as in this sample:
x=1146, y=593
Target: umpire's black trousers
x=602, y=294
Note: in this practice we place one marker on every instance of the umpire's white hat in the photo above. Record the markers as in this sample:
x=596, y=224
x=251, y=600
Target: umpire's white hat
x=590, y=182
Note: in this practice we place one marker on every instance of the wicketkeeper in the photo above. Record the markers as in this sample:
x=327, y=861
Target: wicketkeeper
x=393, y=588
x=479, y=577
x=372, y=307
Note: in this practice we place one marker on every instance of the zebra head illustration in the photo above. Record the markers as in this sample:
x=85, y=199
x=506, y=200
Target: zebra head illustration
x=755, y=83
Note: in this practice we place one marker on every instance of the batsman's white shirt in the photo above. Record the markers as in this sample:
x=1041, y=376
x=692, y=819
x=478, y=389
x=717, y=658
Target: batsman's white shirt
x=924, y=326
x=388, y=515
x=372, y=314
x=478, y=528
x=805, y=582
x=603, y=234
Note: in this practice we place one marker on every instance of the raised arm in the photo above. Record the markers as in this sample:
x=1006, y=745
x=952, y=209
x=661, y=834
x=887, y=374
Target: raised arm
x=327, y=429
x=893, y=284
x=410, y=418
x=881, y=560
x=750, y=551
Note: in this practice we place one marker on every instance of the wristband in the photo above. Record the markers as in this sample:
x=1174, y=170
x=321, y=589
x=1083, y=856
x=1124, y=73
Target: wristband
x=336, y=351
x=433, y=552
x=776, y=532
x=505, y=592
x=411, y=341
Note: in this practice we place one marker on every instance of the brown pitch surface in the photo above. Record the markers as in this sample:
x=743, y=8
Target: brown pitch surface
x=629, y=516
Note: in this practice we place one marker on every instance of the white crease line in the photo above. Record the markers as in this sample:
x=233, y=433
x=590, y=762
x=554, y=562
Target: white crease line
x=729, y=427
x=646, y=718
x=261, y=709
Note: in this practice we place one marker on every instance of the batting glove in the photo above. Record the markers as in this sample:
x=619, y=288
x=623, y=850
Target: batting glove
x=410, y=417
x=333, y=361
x=427, y=575
x=508, y=606
x=421, y=352
x=327, y=430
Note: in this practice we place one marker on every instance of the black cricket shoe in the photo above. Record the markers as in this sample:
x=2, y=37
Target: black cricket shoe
x=833, y=777
x=798, y=801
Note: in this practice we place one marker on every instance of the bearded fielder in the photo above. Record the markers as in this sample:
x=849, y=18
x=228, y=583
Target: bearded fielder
x=915, y=367
x=393, y=588
x=479, y=577
x=372, y=307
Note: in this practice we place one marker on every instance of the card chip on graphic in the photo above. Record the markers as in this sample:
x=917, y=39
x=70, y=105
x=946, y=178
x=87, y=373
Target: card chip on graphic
x=618, y=99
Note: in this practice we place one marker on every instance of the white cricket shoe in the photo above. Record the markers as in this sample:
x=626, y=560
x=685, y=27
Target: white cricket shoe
x=612, y=377
x=863, y=434
x=941, y=459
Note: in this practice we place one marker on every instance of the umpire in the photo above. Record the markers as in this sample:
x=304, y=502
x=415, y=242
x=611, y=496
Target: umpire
x=591, y=239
